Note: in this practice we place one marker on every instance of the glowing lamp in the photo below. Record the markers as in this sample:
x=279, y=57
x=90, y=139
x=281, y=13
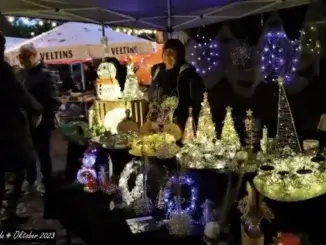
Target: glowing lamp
x=113, y=118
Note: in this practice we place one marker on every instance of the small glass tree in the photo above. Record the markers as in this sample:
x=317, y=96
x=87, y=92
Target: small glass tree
x=229, y=133
x=206, y=127
x=131, y=90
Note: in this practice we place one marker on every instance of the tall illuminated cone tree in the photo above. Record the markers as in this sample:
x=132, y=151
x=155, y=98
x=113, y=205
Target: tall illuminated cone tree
x=229, y=134
x=206, y=127
x=131, y=90
x=250, y=129
x=189, y=133
x=286, y=132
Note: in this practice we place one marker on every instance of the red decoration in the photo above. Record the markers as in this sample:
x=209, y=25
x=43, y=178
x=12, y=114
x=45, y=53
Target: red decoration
x=91, y=185
x=288, y=239
x=106, y=184
x=88, y=176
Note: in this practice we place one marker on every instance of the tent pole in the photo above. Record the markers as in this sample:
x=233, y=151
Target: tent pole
x=169, y=27
x=83, y=80
x=104, y=40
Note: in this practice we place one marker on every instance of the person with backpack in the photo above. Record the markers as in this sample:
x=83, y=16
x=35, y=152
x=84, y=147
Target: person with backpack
x=175, y=77
x=40, y=83
x=17, y=150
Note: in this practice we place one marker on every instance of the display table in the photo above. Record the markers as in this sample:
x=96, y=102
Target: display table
x=301, y=217
x=88, y=216
x=85, y=97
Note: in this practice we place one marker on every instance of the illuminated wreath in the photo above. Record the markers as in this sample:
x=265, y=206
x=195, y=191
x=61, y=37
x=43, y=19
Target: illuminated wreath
x=129, y=197
x=171, y=203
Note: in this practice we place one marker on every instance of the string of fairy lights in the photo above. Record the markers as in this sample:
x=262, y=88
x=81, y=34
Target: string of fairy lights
x=52, y=24
x=279, y=56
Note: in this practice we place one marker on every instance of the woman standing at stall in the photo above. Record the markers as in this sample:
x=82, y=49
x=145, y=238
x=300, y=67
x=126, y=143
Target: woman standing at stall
x=174, y=77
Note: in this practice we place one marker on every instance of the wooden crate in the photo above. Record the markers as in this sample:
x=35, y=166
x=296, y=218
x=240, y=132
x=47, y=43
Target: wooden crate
x=138, y=108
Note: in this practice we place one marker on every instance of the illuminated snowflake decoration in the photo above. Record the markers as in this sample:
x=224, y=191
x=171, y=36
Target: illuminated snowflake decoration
x=241, y=54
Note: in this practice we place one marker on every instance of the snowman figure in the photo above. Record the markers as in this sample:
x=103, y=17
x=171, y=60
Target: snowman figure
x=108, y=87
x=86, y=175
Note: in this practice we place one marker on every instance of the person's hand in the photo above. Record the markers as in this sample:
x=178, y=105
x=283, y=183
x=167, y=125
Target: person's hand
x=36, y=120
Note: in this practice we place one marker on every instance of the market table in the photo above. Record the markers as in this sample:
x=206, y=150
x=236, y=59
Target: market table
x=301, y=217
x=88, y=216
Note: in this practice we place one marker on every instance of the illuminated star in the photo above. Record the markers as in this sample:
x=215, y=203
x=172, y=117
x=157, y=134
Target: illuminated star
x=249, y=112
x=280, y=81
x=229, y=108
x=8, y=235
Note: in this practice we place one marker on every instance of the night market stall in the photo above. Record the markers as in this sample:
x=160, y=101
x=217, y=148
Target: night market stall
x=231, y=139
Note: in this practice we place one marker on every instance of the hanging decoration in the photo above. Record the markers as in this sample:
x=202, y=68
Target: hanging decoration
x=175, y=204
x=205, y=55
x=286, y=136
x=310, y=40
x=241, y=54
x=279, y=56
x=130, y=196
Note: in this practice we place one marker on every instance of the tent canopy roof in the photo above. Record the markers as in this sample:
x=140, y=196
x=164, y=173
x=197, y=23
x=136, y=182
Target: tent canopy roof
x=13, y=41
x=148, y=14
x=72, y=33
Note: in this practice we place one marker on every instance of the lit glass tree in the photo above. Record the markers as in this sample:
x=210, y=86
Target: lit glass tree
x=250, y=129
x=286, y=132
x=189, y=134
x=131, y=90
x=206, y=127
x=229, y=134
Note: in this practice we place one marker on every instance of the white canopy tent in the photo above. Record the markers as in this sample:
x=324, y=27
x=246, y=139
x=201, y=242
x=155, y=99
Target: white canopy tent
x=13, y=41
x=76, y=42
x=153, y=14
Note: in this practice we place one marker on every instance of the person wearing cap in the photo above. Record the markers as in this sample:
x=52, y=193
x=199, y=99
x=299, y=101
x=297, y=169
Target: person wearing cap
x=40, y=83
x=17, y=150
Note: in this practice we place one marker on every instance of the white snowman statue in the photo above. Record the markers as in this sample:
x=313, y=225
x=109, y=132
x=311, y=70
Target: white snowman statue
x=107, y=86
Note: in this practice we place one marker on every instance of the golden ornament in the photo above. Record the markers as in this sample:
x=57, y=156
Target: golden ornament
x=147, y=129
x=173, y=129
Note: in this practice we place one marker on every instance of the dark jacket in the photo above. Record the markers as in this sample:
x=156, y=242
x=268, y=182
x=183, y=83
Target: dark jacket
x=182, y=82
x=40, y=83
x=15, y=102
x=90, y=79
